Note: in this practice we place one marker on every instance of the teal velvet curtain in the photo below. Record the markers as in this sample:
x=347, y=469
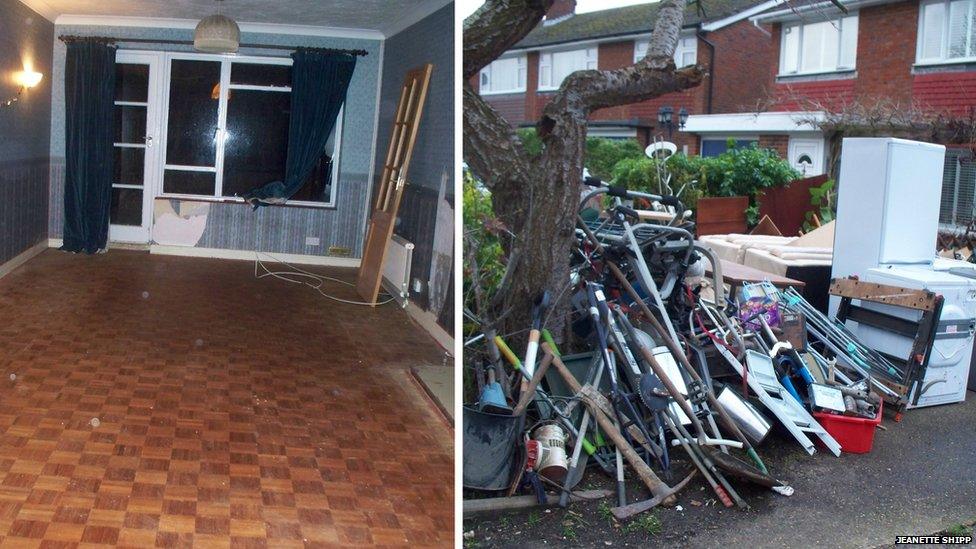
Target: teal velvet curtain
x=89, y=89
x=319, y=81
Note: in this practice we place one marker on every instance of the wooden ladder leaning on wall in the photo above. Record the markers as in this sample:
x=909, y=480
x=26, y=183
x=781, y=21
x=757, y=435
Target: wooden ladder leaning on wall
x=392, y=181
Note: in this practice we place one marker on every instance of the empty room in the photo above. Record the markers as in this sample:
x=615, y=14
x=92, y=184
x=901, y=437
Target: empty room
x=226, y=250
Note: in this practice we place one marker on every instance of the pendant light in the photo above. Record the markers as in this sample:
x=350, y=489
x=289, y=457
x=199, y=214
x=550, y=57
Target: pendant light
x=217, y=34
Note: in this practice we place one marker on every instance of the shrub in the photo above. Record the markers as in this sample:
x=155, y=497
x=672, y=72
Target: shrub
x=601, y=154
x=481, y=232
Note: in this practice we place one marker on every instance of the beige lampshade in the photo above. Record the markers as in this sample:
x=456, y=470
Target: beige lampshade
x=217, y=34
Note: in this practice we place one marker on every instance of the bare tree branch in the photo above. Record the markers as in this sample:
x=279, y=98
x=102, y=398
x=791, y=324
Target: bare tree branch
x=497, y=26
x=585, y=91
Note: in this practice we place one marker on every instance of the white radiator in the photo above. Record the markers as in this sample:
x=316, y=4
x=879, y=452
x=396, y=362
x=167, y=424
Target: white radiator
x=396, y=269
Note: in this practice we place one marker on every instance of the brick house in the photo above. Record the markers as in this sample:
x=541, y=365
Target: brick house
x=723, y=41
x=919, y=53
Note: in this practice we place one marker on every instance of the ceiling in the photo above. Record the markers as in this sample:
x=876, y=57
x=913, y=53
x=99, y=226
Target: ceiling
x=384, y=16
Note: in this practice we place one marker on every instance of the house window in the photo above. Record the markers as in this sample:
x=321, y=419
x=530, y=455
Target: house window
x=714, y=146
x=554, y=67
x=505, y=75
x=227, y=131
x=947, y=31
x=825, y=46
x=686, y=52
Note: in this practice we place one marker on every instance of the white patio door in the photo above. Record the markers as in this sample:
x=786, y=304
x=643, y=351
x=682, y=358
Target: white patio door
x=136, y=144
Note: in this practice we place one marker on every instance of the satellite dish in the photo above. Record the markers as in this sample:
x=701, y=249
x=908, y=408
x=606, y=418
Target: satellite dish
x=655, y=149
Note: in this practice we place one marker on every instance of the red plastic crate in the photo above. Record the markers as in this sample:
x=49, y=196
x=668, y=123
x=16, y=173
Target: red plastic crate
x=854, y=434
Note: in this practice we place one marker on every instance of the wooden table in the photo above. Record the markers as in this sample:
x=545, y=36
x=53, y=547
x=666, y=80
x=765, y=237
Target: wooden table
x=735, y=275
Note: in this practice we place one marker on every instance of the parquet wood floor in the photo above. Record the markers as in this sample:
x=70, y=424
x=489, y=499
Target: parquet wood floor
x=164, y=401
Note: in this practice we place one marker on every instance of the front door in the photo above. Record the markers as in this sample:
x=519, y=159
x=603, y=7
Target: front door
x=136, y=144
x=807, y=155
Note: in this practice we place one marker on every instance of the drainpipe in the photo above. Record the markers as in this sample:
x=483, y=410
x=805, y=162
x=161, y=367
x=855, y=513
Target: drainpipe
x=711, y=70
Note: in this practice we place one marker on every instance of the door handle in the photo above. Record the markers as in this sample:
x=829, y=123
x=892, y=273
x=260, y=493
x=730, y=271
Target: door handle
x=149, y=141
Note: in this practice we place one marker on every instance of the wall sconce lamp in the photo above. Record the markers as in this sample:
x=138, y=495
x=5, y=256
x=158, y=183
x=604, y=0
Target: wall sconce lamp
x=26, y=79
x=665, y=117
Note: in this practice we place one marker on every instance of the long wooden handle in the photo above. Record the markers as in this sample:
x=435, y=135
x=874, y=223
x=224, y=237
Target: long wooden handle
x=655, y=484
x=527, y=396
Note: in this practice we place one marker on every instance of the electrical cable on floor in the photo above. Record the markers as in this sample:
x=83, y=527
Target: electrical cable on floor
x=301, y=273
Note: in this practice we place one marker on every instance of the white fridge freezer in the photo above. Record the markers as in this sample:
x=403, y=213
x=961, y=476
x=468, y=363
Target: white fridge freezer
x=888, y=194
x=947, y=373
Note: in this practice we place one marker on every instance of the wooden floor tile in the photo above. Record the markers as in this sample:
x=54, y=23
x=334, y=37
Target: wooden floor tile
x=152, y=400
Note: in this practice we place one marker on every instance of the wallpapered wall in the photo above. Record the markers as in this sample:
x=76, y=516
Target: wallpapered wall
x=25, y=42
x=232, y=225
x=427, y=212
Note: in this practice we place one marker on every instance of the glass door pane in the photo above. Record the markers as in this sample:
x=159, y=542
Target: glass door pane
x=131, y=112
x=194, y=98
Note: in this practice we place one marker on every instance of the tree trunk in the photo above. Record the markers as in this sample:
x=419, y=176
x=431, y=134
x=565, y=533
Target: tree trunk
x=537, y=198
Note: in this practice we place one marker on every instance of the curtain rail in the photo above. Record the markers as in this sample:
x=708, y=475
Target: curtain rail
x=68, y=38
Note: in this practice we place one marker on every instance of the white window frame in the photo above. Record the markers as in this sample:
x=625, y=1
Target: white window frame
x=640, y=49
x=943, y=58
x=225, y=87
x=798, y=26
x=591, y=55
x=484, y=76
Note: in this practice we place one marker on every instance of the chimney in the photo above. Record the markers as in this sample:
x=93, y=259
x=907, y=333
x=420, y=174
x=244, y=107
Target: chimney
x=561, y=8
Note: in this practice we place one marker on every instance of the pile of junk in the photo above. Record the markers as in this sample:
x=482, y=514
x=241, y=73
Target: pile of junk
x=684, y=380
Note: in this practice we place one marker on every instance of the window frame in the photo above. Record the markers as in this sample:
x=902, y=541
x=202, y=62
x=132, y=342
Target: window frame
x=943, y=58
x=226, y=62
x=545, y=61
x=799, y=25
x=521, y=77
x=678, y=50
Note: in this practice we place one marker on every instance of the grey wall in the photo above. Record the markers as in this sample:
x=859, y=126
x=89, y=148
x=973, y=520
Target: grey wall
x=25, y=42
x=234, y=225
x=426, y=214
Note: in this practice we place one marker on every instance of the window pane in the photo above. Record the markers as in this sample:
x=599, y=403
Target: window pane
x=318, y=186
x=958, y=27
x=831, y=45
x=848, y=45
x=640, y=50
x=791, y=49
x=933, y=16
x=565, y=63
x=130, y=124
x=131, y=82
x=257, y=140
x=126, y=207
x=129, y=165
x=260, y=74
x=192, y=113
x=503, y=75
x=812, y=47
x=185, y=182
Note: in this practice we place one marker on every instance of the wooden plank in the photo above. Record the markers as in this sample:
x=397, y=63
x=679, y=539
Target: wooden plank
x=721, y=215
x=413, y=95
x=920, y=300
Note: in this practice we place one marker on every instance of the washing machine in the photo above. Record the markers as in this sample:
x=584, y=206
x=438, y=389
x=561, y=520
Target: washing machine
x=947, y=374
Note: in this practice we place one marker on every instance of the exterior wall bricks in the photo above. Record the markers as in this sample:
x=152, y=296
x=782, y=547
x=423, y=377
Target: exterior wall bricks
x=778, y=143
x=886, y=52
x=740, y=71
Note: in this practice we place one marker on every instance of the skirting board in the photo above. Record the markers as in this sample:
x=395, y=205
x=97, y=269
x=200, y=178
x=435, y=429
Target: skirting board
x=428, y=322
x=240, y=255
x=22, y=257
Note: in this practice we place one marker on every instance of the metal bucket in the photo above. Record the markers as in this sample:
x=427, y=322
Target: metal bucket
x=751, y=422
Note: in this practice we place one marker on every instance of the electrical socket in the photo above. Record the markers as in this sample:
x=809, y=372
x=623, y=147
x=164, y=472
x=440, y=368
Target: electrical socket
x=311, y=241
